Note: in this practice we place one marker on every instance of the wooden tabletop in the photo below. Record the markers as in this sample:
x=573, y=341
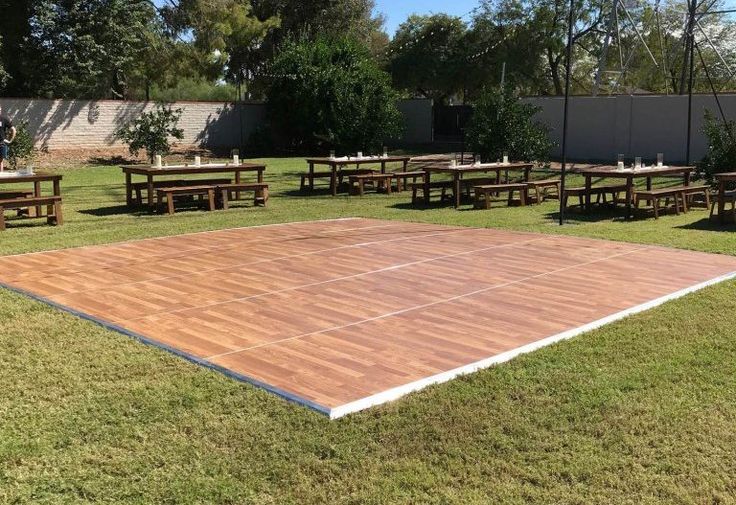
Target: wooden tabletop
x=612, y=171
x=481, y=167
x=356, y=161
x=192, y=169
x=36, y=177
x=725, y=176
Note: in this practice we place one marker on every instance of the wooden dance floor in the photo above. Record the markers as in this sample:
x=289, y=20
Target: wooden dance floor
x=344, y=314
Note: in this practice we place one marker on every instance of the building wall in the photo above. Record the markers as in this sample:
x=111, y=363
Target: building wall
x=85, y=124
x=601, y=127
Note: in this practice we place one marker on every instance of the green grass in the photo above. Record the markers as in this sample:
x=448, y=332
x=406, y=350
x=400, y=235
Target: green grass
x=640, y=411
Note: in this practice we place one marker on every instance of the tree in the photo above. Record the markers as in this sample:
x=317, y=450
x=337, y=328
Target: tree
x=89, y=48
x=22, y=148
x=3, y=74
x=16, y=58
x=152, y=131
x=502, y=123
x=428, y=57
x=319, y=18
x=330, y=94
x=542, y=25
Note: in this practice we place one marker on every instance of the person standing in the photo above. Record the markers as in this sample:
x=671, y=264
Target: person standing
x=7, y=136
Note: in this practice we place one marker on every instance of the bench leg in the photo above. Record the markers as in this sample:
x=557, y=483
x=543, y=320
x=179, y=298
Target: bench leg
x=225, y=200
x=170, y=203
x=655, y=205
x=2, y=219
x=211, y=199
x=540, y=198
x=486, y=200
x=683, y=199
x=414, y=190
x=361, y=187
x=388, y=186
x=522, y=197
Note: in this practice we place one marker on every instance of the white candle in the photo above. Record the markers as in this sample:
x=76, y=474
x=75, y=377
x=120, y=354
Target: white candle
x=620, y=165
x=197, y=161
x=158, y=160
x=360, y=154
x=236, y=159
x=505, y=159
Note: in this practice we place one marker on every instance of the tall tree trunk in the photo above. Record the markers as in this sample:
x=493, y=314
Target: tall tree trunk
x=554, y=68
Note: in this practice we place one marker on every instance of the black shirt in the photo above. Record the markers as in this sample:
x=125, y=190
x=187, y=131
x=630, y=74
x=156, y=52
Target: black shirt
x=5, y=125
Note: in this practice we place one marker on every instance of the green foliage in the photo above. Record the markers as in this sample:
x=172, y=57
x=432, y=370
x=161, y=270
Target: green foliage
x=192, y=89
x=152, y=131
x=502, y=123
x=331, y=94
x=89, y=47
x=721, y=155
x=22, y=149
x=427, y=56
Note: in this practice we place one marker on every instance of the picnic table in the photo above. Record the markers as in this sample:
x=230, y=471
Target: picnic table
x=336, y=163
x=36, y=179
x=152, y=172
x=723, y=178
x=459, y=171
x=630, y=174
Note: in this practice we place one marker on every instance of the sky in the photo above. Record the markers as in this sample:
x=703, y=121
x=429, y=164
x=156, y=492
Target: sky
x=396, y=11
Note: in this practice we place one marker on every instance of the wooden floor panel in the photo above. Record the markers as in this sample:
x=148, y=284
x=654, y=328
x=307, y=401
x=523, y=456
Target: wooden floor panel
x=334, y=313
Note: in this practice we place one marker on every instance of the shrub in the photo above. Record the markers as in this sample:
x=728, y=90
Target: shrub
x=22, y=149
x=501, y=123
x=330, y=94
x=721, y=155
x=152, y=131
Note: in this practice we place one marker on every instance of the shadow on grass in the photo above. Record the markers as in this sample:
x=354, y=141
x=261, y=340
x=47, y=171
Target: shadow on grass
x=111, y=160
x=597, y=215
x=115, y=210
x=707, y=224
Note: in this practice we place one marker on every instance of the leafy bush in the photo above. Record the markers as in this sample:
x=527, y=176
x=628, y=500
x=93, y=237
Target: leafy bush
x=22, y=149
x=152, y=131
x=330, y=94
x=501, y=123
x=721, y=155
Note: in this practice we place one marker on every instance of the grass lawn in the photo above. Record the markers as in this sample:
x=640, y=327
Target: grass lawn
x=640, y=411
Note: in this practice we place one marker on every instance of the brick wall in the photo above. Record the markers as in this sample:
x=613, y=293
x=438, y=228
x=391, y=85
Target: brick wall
x=85, y=124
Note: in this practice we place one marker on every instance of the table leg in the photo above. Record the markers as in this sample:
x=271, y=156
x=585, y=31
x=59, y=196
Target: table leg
x=457, y=189
x=649, y=183
x=383, y=167
x=427, y=174
x=149, y=187
x=721, y=201
x=527, y=170
x=238, y=178
x=37, y=193
x=629, y=195
x=311, y=176
x=333, y=180
x=588, y=189
x=128, y=190
x=406, y=165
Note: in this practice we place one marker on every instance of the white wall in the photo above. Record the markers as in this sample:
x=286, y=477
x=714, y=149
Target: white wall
x=85, y=124
x=601, y=127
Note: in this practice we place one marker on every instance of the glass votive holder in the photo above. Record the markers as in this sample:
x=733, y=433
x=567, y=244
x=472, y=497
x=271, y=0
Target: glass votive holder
x=660, y=159
x=332, y=154
x=637, y=162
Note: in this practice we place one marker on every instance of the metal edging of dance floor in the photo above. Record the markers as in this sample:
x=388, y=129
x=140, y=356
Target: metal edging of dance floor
x=341, y=315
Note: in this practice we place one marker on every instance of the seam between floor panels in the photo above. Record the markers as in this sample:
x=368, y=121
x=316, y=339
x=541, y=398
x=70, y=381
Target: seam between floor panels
x=425, y=305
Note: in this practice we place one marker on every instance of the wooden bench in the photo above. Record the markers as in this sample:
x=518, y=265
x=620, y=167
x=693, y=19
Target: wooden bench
x=341, y=174
x=599, y=192
x=140, y=187
x=483, y=193
x=53, y=208
x=541, y=187
x=260, y=189
x=402, y=178
x=12, y=195
x=679, y=194
x=172, y=192
x=378, y=179
x=728, y=197
x=416, y=187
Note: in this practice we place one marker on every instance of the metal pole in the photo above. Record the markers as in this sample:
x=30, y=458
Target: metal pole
x=568, y=64
x=691, y=39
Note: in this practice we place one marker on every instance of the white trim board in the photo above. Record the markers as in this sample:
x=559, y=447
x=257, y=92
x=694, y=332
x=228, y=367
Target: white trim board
x=399, y=391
